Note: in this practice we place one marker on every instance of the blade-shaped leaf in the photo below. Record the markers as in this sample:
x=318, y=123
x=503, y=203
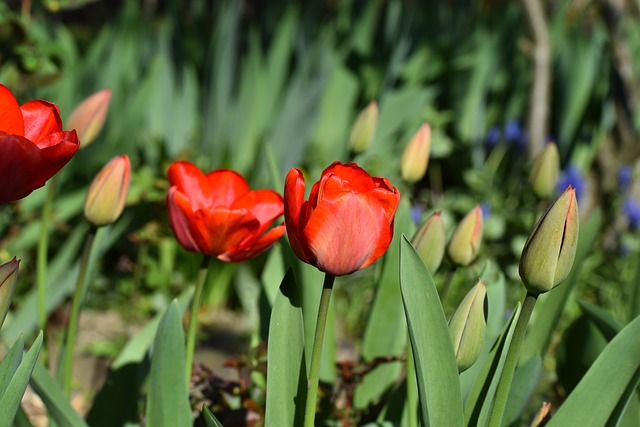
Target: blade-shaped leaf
x=603, y=320
x=286, y=371
x=10, y=364
x=11, y=397
x=168, y=397
x=482, y=392
x=436, y=369
x=210, y=419
x=616, y=370
x=57, y=404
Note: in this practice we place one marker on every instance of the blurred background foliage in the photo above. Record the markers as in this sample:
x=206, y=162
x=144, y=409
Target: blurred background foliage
x=261, y=87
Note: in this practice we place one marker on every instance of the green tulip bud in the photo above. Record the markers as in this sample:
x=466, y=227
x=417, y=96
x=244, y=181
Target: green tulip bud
x=415, y=157
x=8, y=279
x=465, y=242
x=544, y=171
x=549, y=252
x=107, y=193
x=468, y=326
x=364, y=128
x=430, y=242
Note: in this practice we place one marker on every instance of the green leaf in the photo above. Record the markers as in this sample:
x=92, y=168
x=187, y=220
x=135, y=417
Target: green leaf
x=210, y=419
x=168, y=397
x=10, y=364
x=610, y=381
x=57, y=404
x=286, y=368
x=551, y=305
x=481, y=395
x=634, y=307
x=603, y=320
x=12, y=395
x=386, y=329
x=436, y=369
x=524, y=381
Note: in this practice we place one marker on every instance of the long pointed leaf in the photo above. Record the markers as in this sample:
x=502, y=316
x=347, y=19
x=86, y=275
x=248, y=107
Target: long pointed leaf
x=10, y=364
x=436, y=369
x=210, y=419
x=57, y=404
x=286, y=370
x=609, y=382
x=10, y=401
x=168, y=398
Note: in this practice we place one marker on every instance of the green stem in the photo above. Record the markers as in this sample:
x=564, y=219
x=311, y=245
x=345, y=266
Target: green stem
x=193, y=317
x=511, y=361
x=316, y=354
x=41, y=257
x=74, y=316
x=447, y=284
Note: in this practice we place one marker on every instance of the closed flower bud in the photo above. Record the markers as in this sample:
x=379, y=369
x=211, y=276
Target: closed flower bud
x=465, y=242
x=108, y=192
x=468, y=326
x=8, y=279
x=415, y=157
x=364, y=128
x=545, y=171
x=430, y=242
x=549, y=252
x=89, y=116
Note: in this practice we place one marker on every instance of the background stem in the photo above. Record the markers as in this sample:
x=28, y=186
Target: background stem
x=193, y=317
x=41, y=257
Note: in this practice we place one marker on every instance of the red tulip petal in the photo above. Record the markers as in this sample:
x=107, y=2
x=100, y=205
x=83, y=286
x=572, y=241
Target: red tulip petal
x=25, y=167
x=351, y=177
x=256, y=248
x=41, y=118
x=227, y=186
x=264, y=205
x=388, y=199
x=223, y=230
x=190, y=181
x=178, y=205
x=294, y=203
x=348, y=233
x=11, y=120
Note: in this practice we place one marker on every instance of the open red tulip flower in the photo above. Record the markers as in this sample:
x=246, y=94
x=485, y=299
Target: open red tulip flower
x=346, y=224
x=216, y=214
x=33, y=146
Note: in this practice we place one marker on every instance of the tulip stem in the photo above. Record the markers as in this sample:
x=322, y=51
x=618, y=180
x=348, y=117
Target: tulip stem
x=193, y=317
x=447, y=284
x=511, y=361
x=412, y=395
x=76, y=306
x=316, y=354
x=41, y=257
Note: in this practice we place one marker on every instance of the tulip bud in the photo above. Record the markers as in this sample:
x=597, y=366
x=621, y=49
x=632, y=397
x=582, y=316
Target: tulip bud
x=545, y=171
x=89, y=116
x=108, y=192
x=430, y=242
x=468, y=326
x=549, y=252
x=8, y=279
x=415, y=157
x=465, y=242
x=364, y=128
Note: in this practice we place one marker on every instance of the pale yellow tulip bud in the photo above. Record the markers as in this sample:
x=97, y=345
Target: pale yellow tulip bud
x=108, y=192
x=415, y=157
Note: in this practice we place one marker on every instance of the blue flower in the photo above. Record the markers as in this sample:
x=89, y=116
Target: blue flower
x=486, y=209
x=572, y=176
x=513, y=133
x=625, y=174
x=416, y=214
x=632, y=211
x=493, y=136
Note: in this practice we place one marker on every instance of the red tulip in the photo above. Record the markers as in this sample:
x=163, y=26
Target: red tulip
x=346, y=224
x=216, y=214
x=32, y=145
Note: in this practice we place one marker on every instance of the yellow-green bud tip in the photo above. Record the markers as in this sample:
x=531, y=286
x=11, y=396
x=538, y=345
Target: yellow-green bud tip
x=430, y=241
x=364, y=128
x=548, y=254
x=107, y=194
x=415, y=157
x=465, y=242
x=468, y=326
x=545, y=171
x=89, y=116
